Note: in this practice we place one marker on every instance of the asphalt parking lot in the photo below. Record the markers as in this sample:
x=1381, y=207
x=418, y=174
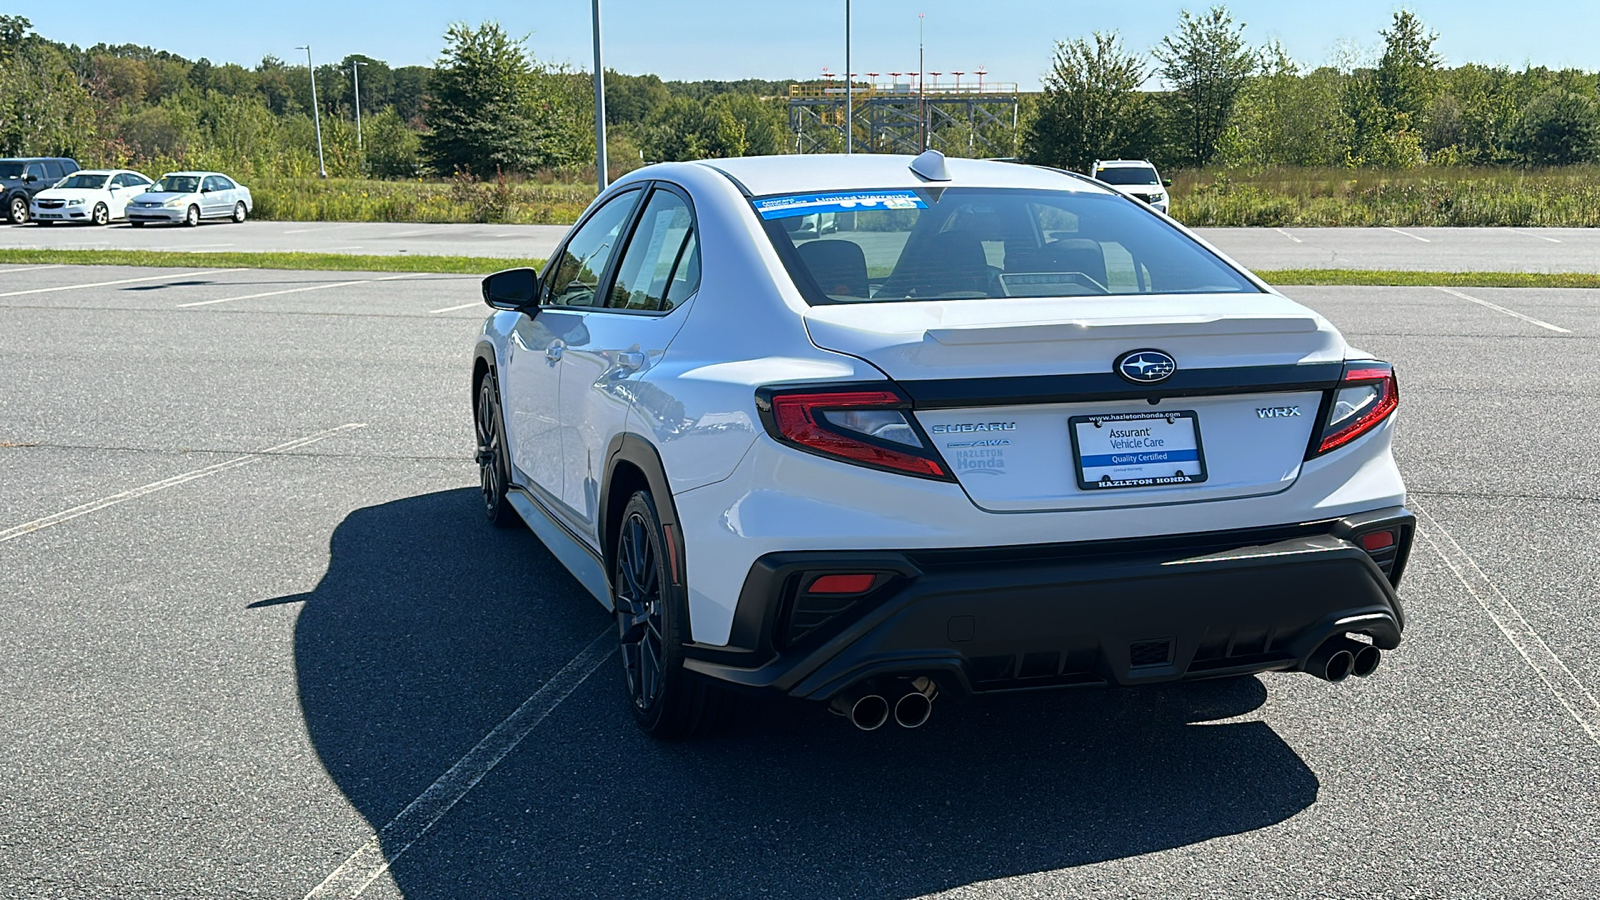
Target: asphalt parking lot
x=1415, y=249
x=258, y=642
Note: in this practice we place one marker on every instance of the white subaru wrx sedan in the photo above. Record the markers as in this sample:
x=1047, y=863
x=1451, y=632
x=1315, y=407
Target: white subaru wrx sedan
x=872, y=430
x=93, y=196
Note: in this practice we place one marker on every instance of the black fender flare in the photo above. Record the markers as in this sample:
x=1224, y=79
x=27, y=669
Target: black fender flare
x=641, y=454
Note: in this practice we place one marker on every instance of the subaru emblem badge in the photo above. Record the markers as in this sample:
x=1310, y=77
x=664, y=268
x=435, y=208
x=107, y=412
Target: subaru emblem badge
x=1146, y=366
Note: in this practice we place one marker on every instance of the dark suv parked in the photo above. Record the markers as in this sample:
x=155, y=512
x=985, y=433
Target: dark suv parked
x=23, y=177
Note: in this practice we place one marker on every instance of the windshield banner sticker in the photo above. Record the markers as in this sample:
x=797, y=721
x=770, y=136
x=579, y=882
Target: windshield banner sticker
x=849, y=201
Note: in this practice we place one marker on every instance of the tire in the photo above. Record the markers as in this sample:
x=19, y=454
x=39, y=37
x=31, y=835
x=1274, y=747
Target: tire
x=40, y=223
x=101, y=215
x=667, y=701
x=239, y=212
x=17, y=210
x=192, y=217
x=494, y=470
x=136, y=224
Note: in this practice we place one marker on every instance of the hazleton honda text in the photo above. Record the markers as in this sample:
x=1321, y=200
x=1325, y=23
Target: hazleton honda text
x=872, y=430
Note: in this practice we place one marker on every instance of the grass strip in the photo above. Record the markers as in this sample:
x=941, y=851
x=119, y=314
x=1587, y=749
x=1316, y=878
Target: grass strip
x=316, y=262
x=1394, y=278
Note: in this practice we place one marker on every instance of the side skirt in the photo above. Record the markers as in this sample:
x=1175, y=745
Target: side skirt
x=573, y=553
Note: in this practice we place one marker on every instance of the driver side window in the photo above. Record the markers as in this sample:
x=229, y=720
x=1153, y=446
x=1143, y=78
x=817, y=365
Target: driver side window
x=573, y=278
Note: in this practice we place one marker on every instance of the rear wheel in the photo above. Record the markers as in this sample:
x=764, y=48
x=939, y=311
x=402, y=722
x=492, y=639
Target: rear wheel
x=17, y=209
x=192, y=217
x=101, y=214
x=667, y=701
x=239, y=211
x=494, y=472
x=136, y=224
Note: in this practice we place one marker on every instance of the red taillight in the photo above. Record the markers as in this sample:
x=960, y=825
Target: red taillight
x=842, y=584
x=1366, y=395
x=799, y=418
x=1377, y=540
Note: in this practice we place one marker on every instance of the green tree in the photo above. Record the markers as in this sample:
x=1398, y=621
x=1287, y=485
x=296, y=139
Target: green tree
x=1206, y=63
x=1560, y=127
x=1407, y=75
x=1092, y=106
x=47, y=110
x=392, y=147
x=480, y=111
x=1285, y=118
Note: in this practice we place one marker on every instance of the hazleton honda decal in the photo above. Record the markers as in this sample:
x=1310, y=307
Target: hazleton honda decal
x=846, y=201
x=1276, y=412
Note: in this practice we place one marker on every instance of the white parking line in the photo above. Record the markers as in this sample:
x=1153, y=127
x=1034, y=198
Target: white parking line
x=1510, y=312
x=1288, y=235
x=1532, y=235
x=74, y=287
x=24, y=267
x=376, y=856
x=298, y=290
x=154, y=486
x=1409, y=235
x=452, y=308
x=1557, y=678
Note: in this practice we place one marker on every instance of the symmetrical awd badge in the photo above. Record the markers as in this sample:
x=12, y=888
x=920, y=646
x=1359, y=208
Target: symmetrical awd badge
x=1146, y=366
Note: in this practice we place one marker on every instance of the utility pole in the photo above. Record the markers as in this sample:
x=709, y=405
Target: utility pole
x=316, y=113
x=355, y=72
x=922, y=86
x=849, y=88
x=599, y=104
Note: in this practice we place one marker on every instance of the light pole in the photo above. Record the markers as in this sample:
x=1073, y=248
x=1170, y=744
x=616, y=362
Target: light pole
x=599, y=104
x=355, y=72
x=316, y=113
x=922, y=86
x=849, y=87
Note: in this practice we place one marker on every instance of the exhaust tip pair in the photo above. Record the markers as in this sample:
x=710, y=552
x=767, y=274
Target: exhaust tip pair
x=1340, y=657
x=871, y=711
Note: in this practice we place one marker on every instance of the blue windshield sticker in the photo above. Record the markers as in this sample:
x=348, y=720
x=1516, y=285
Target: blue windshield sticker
x=850, y=201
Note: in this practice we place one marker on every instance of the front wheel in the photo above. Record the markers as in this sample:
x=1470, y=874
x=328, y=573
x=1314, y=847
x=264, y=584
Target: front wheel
x=17, y=210
x=667, y=701
x=135, y=224
x=239, y=211
x=101, y=214
x=494, y=471
x=192, y=217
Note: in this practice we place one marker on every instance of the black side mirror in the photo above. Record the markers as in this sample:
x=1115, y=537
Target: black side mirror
x=513, y=289
x=30, y=178
x=1166, y=182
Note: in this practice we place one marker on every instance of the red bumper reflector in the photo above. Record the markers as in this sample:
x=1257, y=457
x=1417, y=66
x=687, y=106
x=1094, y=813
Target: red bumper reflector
x=842, y=584
x=1377, y=540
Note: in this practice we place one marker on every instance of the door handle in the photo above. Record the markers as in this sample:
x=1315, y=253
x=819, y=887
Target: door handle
x=553, y=352
x=630, y=360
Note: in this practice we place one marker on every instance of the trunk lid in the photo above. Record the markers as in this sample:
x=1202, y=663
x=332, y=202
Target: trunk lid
x=998, y=384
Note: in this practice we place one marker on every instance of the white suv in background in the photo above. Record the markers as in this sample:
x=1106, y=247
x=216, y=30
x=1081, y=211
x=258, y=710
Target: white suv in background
x=1137, y=178
x=996, y=429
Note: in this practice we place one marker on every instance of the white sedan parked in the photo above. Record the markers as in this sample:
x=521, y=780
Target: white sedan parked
x=95, y=195
x=188, y=197
x=995, y=427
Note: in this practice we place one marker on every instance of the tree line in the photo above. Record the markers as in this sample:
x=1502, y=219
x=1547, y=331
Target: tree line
x=1231, y=105
x=490, y=107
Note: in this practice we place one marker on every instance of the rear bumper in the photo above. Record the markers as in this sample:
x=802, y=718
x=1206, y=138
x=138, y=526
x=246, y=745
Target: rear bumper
x=1107, y=613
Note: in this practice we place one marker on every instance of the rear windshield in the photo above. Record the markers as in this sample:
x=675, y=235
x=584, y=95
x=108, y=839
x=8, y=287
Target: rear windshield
x=90, y=182
x=177, y=184
x=1128, y=175
x=975, y=243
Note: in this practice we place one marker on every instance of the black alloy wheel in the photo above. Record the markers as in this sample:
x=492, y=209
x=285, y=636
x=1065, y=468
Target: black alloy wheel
x=494, y=474
x=667, y=701
x=18, y=210
x=192, y=217
x=239, y=211
x=101, y=215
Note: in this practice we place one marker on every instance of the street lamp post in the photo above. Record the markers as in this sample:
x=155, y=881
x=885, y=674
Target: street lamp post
x=316, y=113
x=849, y=87
x=355, y=72
x=599, y=104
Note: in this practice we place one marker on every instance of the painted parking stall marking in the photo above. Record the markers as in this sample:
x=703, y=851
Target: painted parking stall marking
x=27, y=528
x=298, y=290
x=392, y=840
x=96, y=284
x=1510, y=312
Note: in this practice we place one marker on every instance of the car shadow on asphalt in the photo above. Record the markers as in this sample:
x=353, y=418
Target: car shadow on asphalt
x=430, y=626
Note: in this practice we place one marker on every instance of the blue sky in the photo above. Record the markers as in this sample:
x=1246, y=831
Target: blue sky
x=693, y=39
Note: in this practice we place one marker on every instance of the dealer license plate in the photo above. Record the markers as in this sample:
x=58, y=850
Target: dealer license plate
x=1132, y=450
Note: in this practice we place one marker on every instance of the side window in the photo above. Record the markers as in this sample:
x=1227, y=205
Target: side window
x=36, y=170
x=646, y=275
x=119, y=181
x=224, y=184
x=52, y=171
x=210, y=184
x=573, y=279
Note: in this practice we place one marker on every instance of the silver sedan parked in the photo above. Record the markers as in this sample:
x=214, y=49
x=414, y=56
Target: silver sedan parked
x=188, y=197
